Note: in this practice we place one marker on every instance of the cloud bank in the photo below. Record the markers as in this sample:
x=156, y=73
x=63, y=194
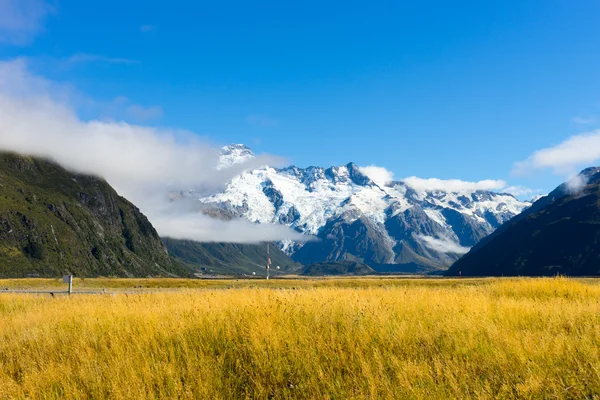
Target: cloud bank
x=141, y=162
x=566, y=158
x=203, y=228
x=384, y=177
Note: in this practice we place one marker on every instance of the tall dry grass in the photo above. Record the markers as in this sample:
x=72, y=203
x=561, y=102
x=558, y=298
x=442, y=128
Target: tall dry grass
x=530, y=338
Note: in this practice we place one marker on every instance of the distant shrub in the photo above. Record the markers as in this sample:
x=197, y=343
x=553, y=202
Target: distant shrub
x=96, y=252
x=34, y=249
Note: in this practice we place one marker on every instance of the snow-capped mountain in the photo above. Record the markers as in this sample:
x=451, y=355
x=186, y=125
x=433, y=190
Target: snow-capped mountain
x=234, y=154
x=391, y=227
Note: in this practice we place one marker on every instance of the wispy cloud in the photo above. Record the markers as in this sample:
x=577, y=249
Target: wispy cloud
x=147, y=28
x=565, y=158
x=579, y=120
x=143, y=114
x=443, y=245
x=81, y=58
x=141, y=162
x=576, y=183
x=22, y=20
x=261, y=121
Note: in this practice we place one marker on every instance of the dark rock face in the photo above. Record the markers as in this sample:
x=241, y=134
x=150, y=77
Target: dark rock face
x=406, y=228
x=467, y=229
x=465, y=201
x=273, y=194
x=560, y=233
x=290, y=216
x=347, y=239
x=356, y=176
x=53, y=221
x=414, y=220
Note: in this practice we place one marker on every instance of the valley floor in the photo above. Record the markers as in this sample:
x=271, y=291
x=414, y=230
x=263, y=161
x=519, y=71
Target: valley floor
x=303, y=338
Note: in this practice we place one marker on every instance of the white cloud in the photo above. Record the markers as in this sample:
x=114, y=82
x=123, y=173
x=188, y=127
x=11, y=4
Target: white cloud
x=81, y=58
x=443, y=245
x=565, y=158
x=139, y=161
x=16, y=80
x=379, y=175
x=453, y=185
x=21, y=20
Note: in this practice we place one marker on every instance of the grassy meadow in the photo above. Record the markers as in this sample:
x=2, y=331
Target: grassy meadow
x=311, y=339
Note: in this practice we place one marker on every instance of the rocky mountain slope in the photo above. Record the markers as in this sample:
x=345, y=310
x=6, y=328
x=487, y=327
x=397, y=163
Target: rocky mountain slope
x=391, y=227
x=53, y=222
x=230, y=258
x=560, y=233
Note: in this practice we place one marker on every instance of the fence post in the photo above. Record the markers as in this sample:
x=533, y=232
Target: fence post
x=68, y=279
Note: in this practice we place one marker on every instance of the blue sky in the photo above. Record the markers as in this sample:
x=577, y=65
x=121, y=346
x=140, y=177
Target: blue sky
x=440, y=89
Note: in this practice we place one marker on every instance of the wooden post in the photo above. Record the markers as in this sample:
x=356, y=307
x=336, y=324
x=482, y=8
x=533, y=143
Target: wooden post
x=268, y=259
x=68, y=279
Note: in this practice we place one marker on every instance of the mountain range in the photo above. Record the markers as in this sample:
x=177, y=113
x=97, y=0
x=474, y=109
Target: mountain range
x=395, y=226
x=53, y=221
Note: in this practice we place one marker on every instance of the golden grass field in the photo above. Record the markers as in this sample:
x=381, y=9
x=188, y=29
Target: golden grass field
x=312, y=339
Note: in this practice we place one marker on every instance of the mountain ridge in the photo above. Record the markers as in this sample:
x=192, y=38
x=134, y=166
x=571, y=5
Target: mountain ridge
x=357, y=219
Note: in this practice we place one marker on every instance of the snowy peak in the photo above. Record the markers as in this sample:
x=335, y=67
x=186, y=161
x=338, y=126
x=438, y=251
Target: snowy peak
x=234, y=154
x=397, y=223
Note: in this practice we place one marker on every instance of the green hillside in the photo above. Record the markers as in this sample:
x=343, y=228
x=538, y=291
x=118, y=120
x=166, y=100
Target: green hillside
x=53, y=221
